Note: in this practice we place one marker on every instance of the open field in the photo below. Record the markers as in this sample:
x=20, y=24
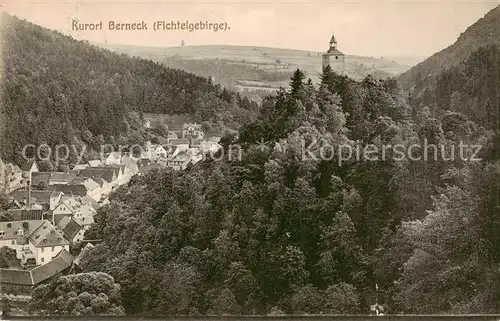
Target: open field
x=265, y=67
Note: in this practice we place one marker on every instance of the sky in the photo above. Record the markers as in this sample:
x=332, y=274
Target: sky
x=368, y=28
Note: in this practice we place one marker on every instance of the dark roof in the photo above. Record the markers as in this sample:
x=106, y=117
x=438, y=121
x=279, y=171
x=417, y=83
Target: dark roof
x=26, y=166
x=57, y=265
x=10, y=229
x=105, y=173
x=334, y=52
x=79, y=190
x=21, y=215
x=40, y=196
x=59, y=217
x=71, y=229
x=38, y=178
x=14, y=276
x=47, y=235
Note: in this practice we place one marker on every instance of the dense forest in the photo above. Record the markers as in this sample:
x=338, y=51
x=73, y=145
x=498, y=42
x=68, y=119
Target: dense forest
x=276, y=233
x=55, y=88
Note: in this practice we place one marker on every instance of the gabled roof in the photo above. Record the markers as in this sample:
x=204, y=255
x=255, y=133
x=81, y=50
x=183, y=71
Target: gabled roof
x=61, y=262
x=84, y=251
x=47, y=235
x=333, y=40
x=40, y=196
x=78, y=190
x=26, y=166
x=71, y=229
x=63, y=221
x=106, y=173
x=28, y=227
x=88, y=182
x=90, y=201
x=59, y=217
x=57, y=265
x=332, y=52
x=22, y=215
x=15, y=276
x=14, y=168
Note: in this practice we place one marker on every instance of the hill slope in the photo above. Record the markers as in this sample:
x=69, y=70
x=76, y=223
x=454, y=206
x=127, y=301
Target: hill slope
x=240, y=60
x=484, y=32
x=56, y=88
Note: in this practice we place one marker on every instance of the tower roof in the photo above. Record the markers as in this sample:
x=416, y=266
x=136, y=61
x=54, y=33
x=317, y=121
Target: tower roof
x=333, y=40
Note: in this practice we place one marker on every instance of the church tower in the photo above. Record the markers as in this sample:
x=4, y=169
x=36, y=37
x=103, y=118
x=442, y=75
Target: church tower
x=333, y=57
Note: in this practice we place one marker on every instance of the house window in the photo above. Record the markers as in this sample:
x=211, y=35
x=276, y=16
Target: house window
x=20, y=231
x=2, y=232
x=53, y=248
x=43, y=249
x=336, y=57
x=43, y=259
x=13, y=242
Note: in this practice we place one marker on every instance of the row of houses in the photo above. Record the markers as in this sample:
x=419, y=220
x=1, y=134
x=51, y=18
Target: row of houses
x=179, y=153
x=48, y=212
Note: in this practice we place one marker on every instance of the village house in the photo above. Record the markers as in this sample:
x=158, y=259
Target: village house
x=181, y=144
x=36, y=240
x=76, y=190
x=93, y=188
x=104, y=176
x=46, y=200
x=22, y=282
x=13, y=179
x=192, y=131
x=43, y=179
x=180, y=161
x=28, y=168
x=21, y=215
x=161, y=151
x=131, y=164
x=73, y=231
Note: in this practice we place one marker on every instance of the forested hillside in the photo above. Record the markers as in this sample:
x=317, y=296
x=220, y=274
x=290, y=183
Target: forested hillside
x=464, y=77
x=277, y=233
x=54, y=88
x=485, y=32
x=470, y=87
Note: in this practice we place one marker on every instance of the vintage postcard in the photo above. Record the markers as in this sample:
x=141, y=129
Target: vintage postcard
x=250, y=159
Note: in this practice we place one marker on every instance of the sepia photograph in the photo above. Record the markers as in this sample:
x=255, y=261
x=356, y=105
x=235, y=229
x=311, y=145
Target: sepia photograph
x=260, y=160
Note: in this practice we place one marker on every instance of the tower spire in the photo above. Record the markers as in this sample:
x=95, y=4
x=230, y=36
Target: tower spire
x=333, y=41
